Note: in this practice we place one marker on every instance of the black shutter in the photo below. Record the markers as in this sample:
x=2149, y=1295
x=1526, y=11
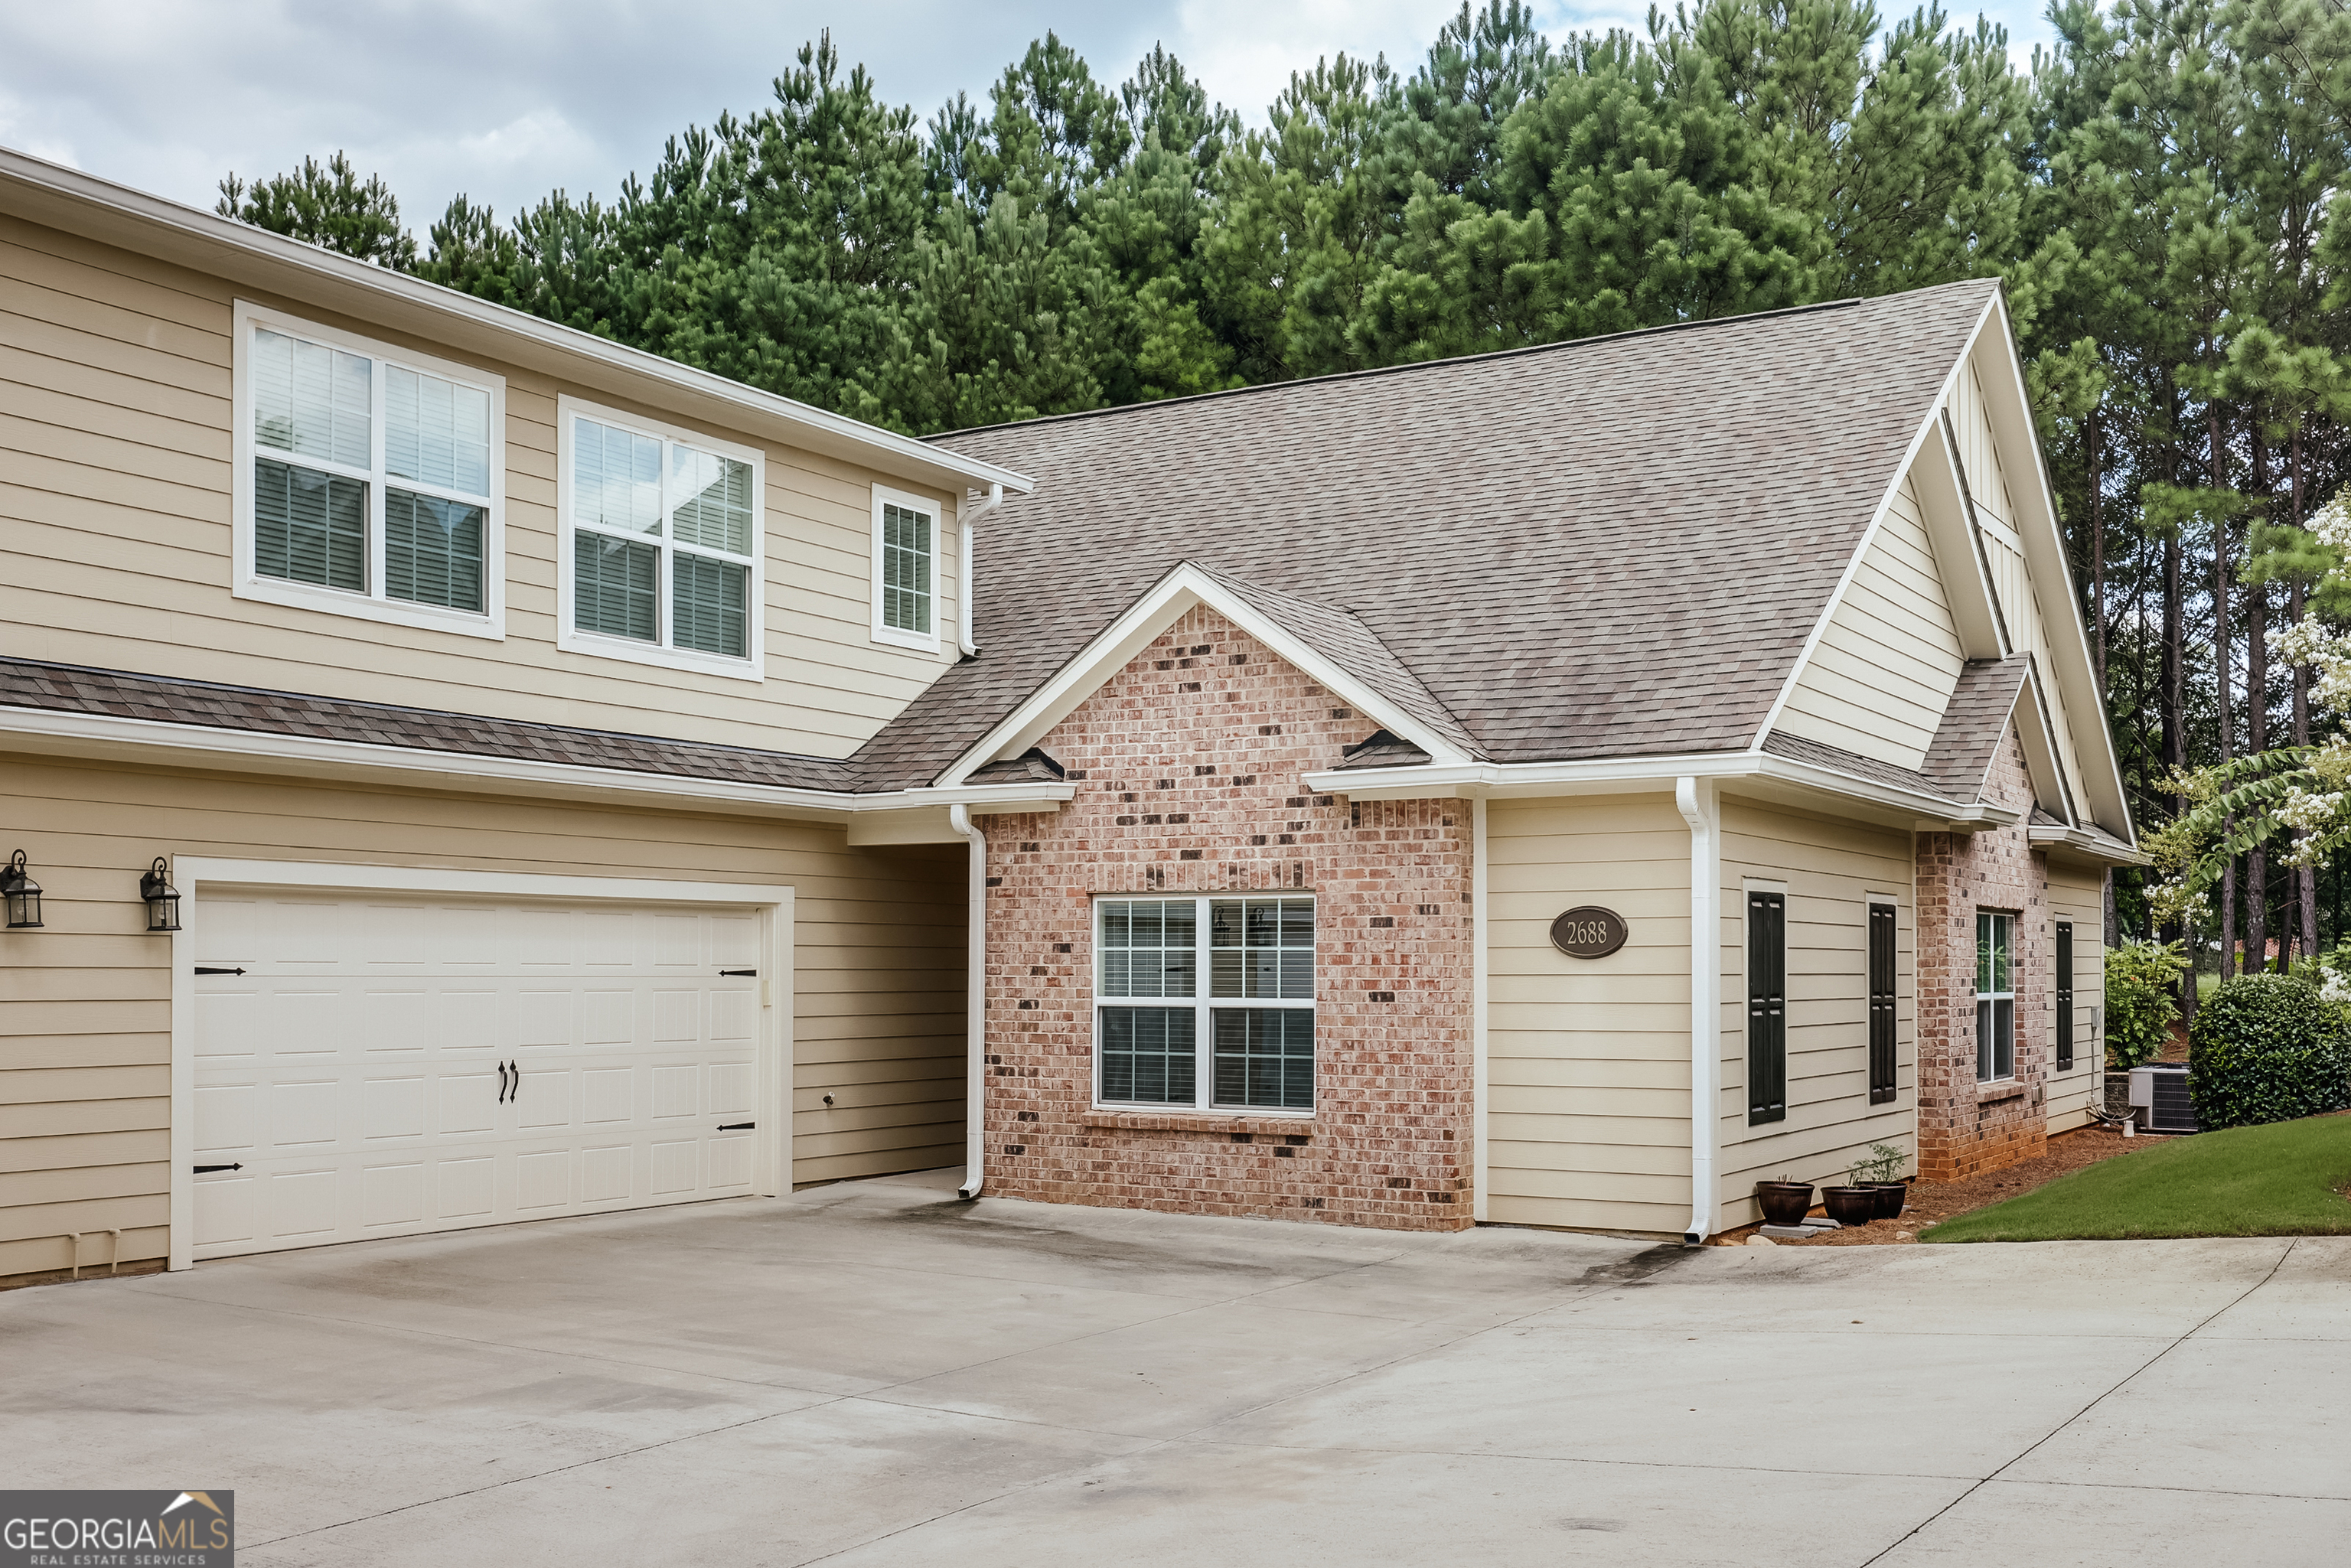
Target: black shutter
x=2065, y=995
x=1881, y=1003
x=1767, y=1008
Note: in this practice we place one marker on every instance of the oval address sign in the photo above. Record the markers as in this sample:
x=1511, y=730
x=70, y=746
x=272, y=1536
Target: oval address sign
x=1589, y=932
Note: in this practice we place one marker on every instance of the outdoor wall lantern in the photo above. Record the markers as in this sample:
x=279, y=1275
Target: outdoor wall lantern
x=23, y=895
x=162, y=898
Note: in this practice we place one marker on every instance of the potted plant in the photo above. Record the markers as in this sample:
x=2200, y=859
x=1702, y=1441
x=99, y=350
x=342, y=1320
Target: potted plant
x=1850, y=1205
x=1882, y=1172
x=1783, y=1202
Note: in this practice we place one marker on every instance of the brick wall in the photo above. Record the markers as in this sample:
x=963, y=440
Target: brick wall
x=1187, y=765
x=1965, y=1127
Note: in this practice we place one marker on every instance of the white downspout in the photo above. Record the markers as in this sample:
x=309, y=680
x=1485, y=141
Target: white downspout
x=1695, y=799
x=966, y=518
x=1481, y=972
x=974, y=1005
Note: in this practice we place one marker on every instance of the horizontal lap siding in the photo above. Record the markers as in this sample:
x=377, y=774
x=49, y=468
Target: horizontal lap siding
x=1830, y=868
x=85, y=1037
x=116, y=463
x=1588, y=1059
x=1878, y=680
x=2080, y=896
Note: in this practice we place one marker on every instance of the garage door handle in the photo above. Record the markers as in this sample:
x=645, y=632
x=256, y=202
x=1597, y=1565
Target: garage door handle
x=502, y=1084
x=207, y=1170
x=732, y=973
x=202, y=970
x=736, y=1126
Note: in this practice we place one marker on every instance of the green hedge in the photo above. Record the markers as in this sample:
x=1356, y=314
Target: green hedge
x=2267, y=1047
x=2140, y=1006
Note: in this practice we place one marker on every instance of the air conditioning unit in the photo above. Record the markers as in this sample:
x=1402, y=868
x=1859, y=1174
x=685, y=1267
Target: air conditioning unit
x=2159, y=1098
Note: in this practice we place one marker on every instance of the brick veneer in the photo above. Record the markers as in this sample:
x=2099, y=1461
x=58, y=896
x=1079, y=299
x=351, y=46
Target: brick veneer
x=1187, y=765
x=1965, y=1127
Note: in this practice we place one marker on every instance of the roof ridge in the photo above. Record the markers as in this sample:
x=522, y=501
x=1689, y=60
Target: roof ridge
x=1521, y=352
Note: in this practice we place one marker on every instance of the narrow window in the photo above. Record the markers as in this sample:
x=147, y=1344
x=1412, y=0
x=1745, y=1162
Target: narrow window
x=662, y=542
x=1995, y=996
x=1244, y=1040
x=2065, y=995
x=1767, y=1008
x=369, y=480
x=1881, y=1004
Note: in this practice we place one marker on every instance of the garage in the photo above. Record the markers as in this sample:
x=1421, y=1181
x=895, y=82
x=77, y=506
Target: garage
x=384, y=1062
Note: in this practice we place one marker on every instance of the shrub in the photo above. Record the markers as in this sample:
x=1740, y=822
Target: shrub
x=2267, y=1047
x=2140, y=1007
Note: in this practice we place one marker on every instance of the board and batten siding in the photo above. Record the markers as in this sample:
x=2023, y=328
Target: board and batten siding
x=2079, y=894
x=85, y=1034
x=1830, y=868
x=1588, y=1059
x=1881, y=675
x=115, y=473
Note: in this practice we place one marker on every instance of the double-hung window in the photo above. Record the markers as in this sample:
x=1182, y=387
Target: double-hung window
x=1995, y=996
x=1205, y=1003
x=369, y=479
x=905, y=569
x=660, y=544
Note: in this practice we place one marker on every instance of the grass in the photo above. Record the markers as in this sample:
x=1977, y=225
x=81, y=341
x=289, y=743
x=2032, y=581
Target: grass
x=2284, y=1179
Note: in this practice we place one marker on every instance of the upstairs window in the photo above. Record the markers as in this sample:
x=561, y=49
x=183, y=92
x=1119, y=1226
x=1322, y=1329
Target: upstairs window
x=368, y=478
x=662, y=530
x=1207, y=1003
x=905, y=569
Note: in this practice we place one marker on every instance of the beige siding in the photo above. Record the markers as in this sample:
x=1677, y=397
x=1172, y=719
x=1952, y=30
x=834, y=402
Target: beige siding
x=1830, y=868
x=1879, y=678
x=115, y=473
x=2079, y=895
x=85, y=1061
x=1588, y=1058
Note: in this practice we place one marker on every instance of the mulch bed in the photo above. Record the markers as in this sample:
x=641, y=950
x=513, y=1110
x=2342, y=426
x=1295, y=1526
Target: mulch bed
x=1932, y=1202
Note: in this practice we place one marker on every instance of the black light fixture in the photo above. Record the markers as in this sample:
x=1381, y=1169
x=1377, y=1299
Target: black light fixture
x=162, y=898
x=23, y=895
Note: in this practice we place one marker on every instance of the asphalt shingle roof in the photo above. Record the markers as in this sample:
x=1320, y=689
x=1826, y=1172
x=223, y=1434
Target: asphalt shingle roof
x=1976, y=724
x=1604, y=548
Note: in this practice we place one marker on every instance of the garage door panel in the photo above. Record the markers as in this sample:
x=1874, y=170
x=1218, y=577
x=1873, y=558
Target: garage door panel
x=356, y=1070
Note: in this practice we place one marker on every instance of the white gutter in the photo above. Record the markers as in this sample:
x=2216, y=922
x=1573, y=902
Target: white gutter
x=59, y=731
x=1480, y=979
x=965, y=519
x=1695, y=798
x=974, y=1002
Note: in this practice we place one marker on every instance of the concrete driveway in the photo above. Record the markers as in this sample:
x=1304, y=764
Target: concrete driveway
x=873, y=1374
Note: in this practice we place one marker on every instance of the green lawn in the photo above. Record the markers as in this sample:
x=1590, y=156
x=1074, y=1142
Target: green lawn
x=2284, y=1179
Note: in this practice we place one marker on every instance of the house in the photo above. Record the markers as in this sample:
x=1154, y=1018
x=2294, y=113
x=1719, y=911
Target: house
x=473, y=772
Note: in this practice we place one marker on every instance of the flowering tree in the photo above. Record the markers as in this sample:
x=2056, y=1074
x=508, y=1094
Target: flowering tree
x=2302, y=794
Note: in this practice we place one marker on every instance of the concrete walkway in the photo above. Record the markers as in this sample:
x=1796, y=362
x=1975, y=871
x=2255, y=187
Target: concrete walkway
x=872, y=1374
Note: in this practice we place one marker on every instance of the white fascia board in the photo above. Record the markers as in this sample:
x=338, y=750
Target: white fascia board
x=2039, y=734
x=1507, y=780
x=2079, y=844
x=117, y=215
x=1185, y=586
x=156, y=742
x=2009, y=405
x=1919, y=439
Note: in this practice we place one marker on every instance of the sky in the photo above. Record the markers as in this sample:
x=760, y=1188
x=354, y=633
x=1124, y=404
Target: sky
x=507, y=99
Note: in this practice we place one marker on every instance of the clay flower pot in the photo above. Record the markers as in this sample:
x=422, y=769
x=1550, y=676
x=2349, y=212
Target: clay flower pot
x=1851, y=1205
x=1891, y=1196
x=1783, y=1202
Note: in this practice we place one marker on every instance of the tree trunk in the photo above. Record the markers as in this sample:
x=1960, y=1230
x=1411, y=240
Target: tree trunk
x=2307, y=878
x=2173, y=698
x=2090, y=431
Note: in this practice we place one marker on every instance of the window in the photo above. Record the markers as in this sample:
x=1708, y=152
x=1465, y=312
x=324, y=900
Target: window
x=2065, y=995
x=1995, y=996
x=661, y=531
x=1767, y=1007
x=1242, y=1041
x=1882, y=1082
x=368, y=480
x=905, y=569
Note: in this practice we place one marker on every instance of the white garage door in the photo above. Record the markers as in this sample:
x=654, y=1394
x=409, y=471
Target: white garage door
x=370, y=1065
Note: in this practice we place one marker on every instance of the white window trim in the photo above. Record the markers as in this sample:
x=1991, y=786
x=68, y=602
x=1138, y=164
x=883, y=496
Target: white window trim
x=570, y=639
x=1203, y=1005
x=246, y=583
x=2015, y=927
x=892, y=635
